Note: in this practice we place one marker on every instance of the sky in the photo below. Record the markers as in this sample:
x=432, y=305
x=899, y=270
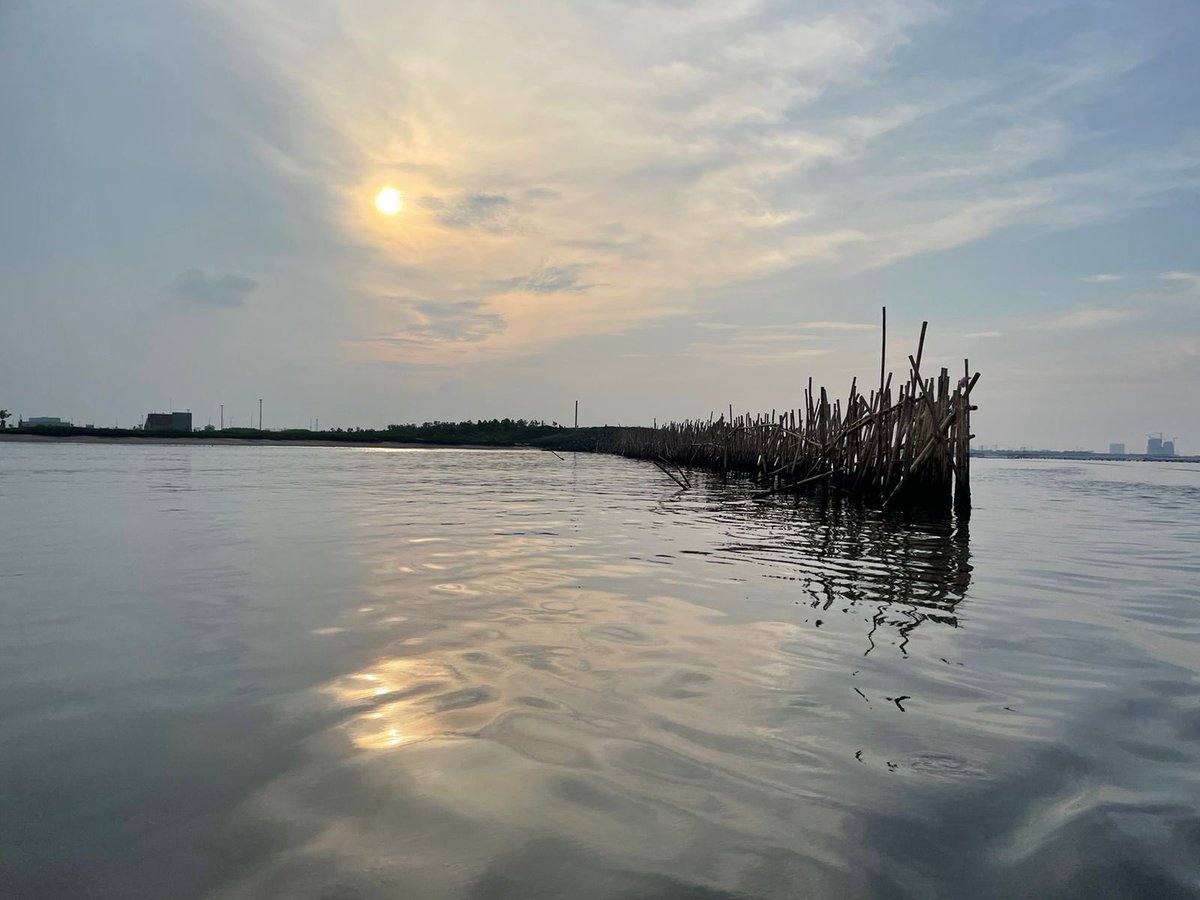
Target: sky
x=657, y=208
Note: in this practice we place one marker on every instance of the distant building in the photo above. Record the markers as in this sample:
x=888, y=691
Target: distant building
x=1168, y=448
x=1154, y=446
x=1116, y=449
x=34, y=421
x=172, y=421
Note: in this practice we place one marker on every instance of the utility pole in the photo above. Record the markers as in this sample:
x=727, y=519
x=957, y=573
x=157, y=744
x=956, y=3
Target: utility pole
x=260, y=413
x=576, y=413
x=222, y=416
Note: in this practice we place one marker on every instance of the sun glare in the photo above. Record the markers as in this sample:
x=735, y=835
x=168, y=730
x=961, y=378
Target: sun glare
x=388, y=201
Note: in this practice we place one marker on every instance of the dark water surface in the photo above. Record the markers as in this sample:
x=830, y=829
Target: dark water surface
x=273, y=672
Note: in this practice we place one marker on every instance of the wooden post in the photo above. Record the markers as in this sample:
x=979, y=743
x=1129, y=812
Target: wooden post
x=883, y=352
x=962, y=476
x=908, y=446
x=920, y=348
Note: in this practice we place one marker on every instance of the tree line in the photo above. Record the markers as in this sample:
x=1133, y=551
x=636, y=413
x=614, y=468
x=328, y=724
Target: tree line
x=483, y=432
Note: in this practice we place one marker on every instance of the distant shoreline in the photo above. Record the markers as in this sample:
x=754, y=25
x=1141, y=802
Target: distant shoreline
x=247, y=442
x=1079, y=456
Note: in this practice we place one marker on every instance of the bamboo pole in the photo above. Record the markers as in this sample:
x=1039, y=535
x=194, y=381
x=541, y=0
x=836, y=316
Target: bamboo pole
x=910, y=447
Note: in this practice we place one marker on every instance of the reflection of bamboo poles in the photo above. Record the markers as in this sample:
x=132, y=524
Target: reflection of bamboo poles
x=893, y=575
x=681, y=479
x=911, y=448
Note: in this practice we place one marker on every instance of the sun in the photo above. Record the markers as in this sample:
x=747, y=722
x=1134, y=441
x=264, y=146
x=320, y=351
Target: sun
x=388, y=201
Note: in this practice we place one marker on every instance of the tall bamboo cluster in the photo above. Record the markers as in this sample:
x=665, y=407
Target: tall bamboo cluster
x=893, y=446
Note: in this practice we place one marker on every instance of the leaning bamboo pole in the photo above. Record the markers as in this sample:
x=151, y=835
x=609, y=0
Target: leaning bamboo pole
x=891, y=450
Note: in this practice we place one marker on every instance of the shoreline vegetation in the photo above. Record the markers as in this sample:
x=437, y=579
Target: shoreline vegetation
x=494, y=433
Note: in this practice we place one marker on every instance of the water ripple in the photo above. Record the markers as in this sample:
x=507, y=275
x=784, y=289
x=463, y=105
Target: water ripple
x=334, y=672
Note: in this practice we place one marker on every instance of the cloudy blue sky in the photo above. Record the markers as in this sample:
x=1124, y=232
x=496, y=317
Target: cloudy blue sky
x=657, y=208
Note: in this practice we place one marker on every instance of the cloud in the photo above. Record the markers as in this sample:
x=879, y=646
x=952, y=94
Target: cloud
x=789, y=330
x=728, y=141
x=983, y=334
x=1078, y=319
x=1101, y=279
x=630, y=249
x=754, y=346
x=835, y=326
x=448, y=320
x=489, y=212
x=750, y=353
x=548, y=280
x=721, y=161
x=1191, y=279
x=427, y=330
x=199, y=287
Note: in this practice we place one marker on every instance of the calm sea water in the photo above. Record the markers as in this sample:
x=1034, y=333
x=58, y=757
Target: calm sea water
x=273, y=672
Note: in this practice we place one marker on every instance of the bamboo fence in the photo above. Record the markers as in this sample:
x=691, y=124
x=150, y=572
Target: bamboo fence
x=891, y=447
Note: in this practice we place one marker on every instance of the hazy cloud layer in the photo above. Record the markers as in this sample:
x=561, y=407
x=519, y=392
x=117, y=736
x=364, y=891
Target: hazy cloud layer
x=491, y=212
x=548, y=280
x=1083, y=318
x=199, y=287
x=449, y=321
x=1188, y=279
x=667, y=184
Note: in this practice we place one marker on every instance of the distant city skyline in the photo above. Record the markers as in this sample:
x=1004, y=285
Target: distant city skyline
x=374, y=213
